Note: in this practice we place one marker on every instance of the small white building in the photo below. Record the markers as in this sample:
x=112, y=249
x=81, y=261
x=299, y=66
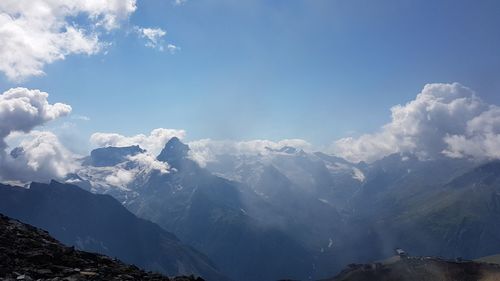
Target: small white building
x=400, y=252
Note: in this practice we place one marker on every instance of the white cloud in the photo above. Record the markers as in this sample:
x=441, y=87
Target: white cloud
x=439, y=121
x=120, y=177
x=207, y=150
x=23, y=109
x=123, y=176
x=147, y=162
x=173, y=49
x=42, y=156
x=154, y=37
x=80, y=117
x=38, y=32
x=153, y=143
x=202, y=151
x=179, y=2
x=481, y=138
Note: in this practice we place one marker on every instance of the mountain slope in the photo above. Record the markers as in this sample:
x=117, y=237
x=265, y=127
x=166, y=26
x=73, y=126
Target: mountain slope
x=27, y=252
x=101, y=224
x=416, y=269
x=446, y=208
x=209, y=213
x=463, y=215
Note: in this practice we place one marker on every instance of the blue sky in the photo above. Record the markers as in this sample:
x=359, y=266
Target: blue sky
x=274, y=69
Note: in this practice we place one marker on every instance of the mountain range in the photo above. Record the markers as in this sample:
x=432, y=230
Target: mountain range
x=287, y=213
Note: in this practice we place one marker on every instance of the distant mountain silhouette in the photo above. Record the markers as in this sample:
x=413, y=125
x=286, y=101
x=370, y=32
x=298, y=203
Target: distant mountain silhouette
x=110, y=156
x=29, y=253
x=99, y=223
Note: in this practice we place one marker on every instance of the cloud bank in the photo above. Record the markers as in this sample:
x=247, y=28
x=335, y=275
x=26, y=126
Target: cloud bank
x=481, y=138
x=40, y=155
x=201, y=151
x=23, y=109
x=38, y=32
x=207, y=150
x=444, y=119
x=134, y=168
x=145, y=163
x=153, y=143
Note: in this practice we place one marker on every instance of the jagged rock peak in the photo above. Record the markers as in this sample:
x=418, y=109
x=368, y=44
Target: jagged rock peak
x=174, y=150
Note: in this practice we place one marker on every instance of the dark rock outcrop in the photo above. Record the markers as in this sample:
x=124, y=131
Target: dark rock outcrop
x=29, y=253
x=174, y=152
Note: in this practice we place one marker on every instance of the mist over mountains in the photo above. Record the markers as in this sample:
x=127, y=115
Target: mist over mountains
x=293, y=214
x=249, y=140
x=264, y=210
x=99, y=223
x=444, y=120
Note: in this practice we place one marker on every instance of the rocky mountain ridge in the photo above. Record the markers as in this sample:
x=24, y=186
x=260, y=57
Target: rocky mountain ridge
x=29, y=253
x=99, y=223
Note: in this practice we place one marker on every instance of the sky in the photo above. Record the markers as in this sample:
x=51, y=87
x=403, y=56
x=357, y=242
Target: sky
x=316, y=70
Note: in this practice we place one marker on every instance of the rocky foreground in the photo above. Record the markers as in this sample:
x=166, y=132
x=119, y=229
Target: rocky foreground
x=29, y=253
x=420, y=269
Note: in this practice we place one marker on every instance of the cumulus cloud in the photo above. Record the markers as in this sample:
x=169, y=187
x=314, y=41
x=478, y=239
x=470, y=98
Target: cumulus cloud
x=39, y=157
x=481, y=138
x=23, y=109
x=441, y=120
x=38, y=32
x=207, y=150
x=40, y=154
x=153, y=143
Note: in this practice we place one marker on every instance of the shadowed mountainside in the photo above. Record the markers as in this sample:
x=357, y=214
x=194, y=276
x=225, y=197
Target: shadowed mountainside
x=99, y=223
x=29, y=253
